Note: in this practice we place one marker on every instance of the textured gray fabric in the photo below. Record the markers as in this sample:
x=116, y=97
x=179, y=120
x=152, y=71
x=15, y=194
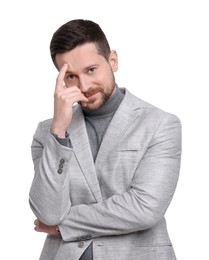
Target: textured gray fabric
x=118, y=201
x=88, y=253
x=97, y=121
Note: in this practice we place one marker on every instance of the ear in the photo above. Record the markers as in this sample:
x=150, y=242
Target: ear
x=113, y=60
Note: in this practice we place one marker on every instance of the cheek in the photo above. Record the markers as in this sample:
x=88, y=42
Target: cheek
x=105, y=76
x=100, y=77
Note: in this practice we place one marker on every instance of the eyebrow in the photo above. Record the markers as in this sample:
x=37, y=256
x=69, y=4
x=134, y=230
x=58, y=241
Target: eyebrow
x=85, y=69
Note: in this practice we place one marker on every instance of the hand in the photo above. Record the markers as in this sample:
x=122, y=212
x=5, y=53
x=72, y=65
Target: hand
x=41, y=227
x=64, y=98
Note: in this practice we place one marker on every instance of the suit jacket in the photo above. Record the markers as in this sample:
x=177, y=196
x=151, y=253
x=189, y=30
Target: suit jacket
x=119, y=201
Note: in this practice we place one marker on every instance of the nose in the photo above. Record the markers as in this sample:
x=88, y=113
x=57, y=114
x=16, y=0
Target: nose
x=84, y=84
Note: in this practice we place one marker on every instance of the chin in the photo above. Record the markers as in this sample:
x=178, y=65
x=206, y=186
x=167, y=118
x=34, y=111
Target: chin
x=94, y=105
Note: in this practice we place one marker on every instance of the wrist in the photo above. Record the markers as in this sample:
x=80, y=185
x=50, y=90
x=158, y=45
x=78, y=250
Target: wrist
x=60, y=132
x=58, y=129
x=59, y=135
x=57, y=230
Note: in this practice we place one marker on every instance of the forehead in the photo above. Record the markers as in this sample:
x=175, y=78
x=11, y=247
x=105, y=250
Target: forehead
x=81, y=55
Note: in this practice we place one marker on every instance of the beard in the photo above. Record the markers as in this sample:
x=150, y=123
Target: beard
x=101, y=96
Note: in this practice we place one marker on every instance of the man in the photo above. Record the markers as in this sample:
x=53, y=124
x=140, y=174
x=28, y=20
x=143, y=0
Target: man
x=107, y=163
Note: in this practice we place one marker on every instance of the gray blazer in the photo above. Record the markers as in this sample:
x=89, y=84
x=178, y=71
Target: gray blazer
x=119, y=201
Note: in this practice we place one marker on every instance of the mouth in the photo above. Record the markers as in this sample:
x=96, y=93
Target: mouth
x=90, y=94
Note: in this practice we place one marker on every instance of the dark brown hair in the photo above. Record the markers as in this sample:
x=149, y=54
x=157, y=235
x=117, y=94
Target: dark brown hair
x=77, y=32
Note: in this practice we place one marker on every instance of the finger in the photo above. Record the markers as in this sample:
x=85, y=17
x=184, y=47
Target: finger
x=73, y=97
x=61, y=76
x=83, y=103
x=39, y=226
x=72, y=93
x=37, y=229
x=36, y=222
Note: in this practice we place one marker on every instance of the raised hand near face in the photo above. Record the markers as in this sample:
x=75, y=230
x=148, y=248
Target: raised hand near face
x=64, y=98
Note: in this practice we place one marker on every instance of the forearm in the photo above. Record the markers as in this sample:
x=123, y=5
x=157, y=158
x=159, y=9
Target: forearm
x=144, y=203
x=49, y=193
x=120, y=214
x=111, y=217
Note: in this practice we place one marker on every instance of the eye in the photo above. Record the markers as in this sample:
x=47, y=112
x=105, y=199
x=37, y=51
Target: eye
x=91, y=70
x=70, y=77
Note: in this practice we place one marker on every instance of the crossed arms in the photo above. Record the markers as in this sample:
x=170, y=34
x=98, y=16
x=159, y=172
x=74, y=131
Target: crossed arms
x=139, y=207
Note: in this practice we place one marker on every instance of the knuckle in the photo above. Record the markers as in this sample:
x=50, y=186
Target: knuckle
x=63, y=99
x=57, y=94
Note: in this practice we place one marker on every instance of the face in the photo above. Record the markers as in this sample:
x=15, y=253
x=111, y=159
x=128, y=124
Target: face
x=90, y=72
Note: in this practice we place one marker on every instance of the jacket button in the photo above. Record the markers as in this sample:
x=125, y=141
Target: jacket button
x=59, y=171
x=88, y=236
x=62, y=161
x=81, y=244
x=61, y=165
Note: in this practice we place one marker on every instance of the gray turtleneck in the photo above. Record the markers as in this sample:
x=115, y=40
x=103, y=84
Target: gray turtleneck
x=97, y=121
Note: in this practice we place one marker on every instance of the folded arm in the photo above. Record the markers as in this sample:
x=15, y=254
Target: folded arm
x=141, y=207
x=49, y=193
x=147, y=199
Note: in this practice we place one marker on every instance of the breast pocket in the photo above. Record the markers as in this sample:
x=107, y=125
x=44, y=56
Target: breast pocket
x=123, y=161
x=119, y=169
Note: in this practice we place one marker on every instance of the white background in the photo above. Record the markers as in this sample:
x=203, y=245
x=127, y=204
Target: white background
x=163, y=49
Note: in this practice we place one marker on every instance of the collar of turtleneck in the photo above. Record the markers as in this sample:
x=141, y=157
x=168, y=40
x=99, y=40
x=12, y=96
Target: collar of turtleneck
x=108, y=108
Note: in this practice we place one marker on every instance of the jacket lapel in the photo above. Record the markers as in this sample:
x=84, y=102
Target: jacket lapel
x=81, y=147
x=121, y=121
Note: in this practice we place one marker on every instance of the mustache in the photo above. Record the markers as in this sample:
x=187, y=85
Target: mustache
x=92, y=91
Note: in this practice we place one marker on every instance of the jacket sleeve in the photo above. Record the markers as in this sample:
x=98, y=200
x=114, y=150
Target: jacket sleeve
x=49, y=192
x=144, y=204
